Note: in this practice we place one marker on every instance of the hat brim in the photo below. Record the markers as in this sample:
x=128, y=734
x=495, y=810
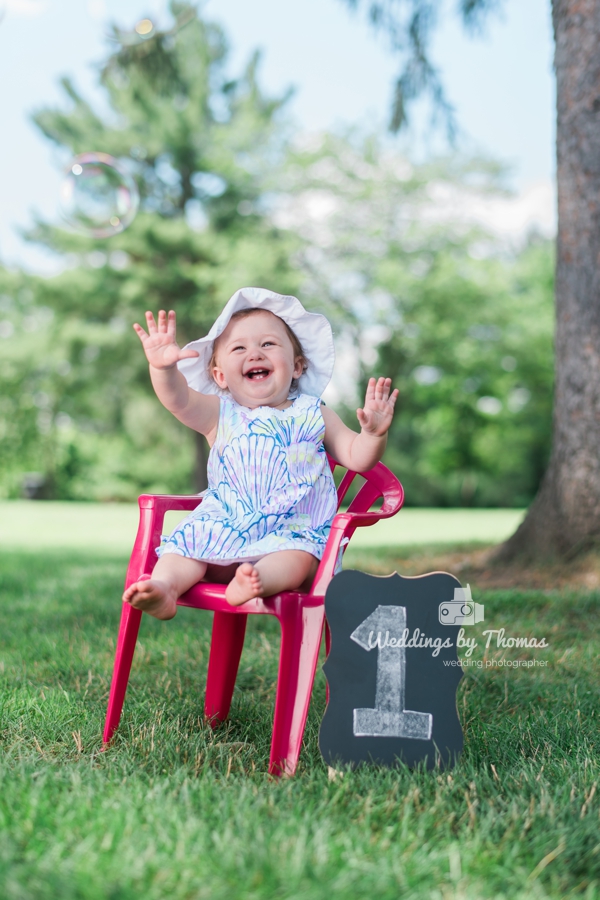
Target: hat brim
x=312, y=330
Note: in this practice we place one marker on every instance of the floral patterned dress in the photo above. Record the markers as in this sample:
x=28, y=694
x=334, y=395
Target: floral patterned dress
x=270, y=486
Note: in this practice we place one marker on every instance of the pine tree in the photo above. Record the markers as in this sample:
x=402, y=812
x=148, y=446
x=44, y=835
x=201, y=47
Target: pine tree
x=204, y=151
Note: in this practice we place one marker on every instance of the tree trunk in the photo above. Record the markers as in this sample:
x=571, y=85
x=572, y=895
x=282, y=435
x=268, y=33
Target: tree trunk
x=200, y=479
x=565, y=516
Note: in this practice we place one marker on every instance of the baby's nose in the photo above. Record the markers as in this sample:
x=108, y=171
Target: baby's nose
x=256, y=353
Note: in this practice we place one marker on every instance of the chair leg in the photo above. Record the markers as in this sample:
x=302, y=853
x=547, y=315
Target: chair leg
x=327, y=649
x=301, y=631
x=228, y=632
x=126, y=641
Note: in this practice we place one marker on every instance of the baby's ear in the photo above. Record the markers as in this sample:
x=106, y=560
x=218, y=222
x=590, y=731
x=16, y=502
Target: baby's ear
x=300, y=366
x=219, y=377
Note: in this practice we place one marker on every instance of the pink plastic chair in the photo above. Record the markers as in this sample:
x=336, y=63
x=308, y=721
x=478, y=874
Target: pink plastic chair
x=301, y=616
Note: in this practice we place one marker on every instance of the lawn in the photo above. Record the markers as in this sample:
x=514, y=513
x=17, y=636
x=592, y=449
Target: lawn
x=111, y=527
x=174, y=809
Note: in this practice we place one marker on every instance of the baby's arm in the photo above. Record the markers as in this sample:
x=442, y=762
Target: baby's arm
x=198, y=411
x=360, y=452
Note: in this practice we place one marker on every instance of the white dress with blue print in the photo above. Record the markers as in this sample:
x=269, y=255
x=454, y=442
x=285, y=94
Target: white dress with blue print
x=270, y=486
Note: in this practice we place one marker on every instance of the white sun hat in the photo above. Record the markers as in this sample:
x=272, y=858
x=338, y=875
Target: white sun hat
x=312, y=330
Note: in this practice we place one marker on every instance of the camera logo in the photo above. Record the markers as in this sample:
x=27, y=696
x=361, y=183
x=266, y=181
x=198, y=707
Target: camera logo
x=462, y=610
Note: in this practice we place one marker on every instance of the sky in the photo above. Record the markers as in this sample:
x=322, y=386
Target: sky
x=501, y=85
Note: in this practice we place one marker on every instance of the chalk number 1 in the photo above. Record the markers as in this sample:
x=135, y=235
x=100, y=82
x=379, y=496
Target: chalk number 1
x=389, y=718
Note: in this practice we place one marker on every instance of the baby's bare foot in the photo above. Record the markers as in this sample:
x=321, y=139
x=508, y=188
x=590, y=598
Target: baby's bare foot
x=245, y=585
x=157, y=598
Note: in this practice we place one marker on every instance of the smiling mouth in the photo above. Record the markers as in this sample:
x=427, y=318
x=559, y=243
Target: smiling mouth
x=257, y=374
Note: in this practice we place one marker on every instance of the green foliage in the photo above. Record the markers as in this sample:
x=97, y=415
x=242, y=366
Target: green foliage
x=461, y=322
x=473, y=361
x=176, y=809
x=201, y=150
x=30, y=375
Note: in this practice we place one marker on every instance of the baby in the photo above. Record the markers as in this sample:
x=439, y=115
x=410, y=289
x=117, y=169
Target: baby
x=253, y=387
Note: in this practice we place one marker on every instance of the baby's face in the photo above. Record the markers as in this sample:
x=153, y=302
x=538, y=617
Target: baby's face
x=255, y=361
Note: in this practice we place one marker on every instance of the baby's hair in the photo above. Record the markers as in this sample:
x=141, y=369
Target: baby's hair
x=296, y=345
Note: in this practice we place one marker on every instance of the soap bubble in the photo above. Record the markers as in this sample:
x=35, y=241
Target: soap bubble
x=142, y=31
x=98, y=198
x=145, y=27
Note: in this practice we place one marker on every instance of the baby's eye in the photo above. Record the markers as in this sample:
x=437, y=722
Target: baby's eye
x=239, y=347
x=268, y=343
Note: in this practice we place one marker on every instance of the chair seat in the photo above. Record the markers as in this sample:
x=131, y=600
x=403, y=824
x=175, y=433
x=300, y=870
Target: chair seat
x=212, y=597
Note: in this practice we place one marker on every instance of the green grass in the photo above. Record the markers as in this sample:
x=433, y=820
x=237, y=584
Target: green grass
x=176, y=810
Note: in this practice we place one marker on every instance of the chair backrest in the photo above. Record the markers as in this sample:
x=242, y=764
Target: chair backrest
x=379, y=482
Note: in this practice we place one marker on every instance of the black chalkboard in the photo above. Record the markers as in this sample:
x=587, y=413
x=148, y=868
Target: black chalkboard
x=392, y=671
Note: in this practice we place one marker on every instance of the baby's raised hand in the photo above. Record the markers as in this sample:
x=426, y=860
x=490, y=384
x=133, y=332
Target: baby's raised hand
x=376, y=416
x=160, y=345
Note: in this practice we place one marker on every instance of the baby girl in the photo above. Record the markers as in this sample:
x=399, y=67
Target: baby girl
x=253, y=387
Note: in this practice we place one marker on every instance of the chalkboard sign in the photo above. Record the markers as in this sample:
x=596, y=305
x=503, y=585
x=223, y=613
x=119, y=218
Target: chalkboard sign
x=392, y=671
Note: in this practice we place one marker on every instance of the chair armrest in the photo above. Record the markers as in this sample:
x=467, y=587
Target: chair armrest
x=342, y=529
x=152, y=513
x=161, y=503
